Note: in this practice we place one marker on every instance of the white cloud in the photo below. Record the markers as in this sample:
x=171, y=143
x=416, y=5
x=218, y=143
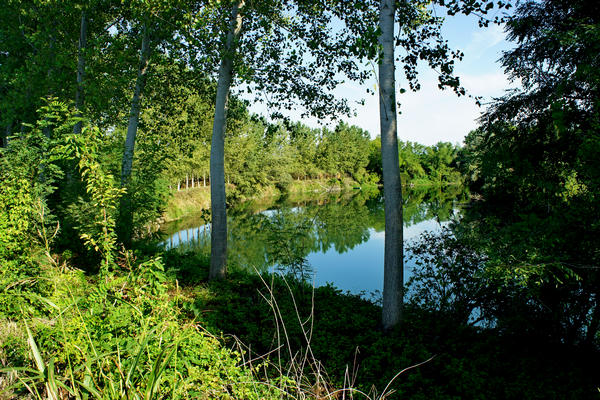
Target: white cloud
x=432, y=115
x=427, y=116
x=488, y=85
x=484, y=39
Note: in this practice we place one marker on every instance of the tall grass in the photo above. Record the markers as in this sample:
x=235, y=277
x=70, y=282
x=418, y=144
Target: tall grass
x=158, y=352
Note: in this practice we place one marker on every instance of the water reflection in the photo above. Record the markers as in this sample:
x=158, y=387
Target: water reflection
x=338, y=236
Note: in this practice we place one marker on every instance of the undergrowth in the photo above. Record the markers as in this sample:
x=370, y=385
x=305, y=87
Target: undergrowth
x=119, y=337
x=156, y=329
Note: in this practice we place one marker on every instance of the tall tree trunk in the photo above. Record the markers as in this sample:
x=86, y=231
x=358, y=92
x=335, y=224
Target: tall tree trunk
x=4, y=134
x=125, y=210
x=80, y=70
x=47, y=130
x=218, y=250
x=592, y=328
x=392, y=188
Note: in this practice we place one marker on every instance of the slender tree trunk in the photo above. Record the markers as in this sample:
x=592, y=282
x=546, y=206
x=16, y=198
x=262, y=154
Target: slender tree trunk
x=126, y=211
x=218, y=250
x=47, y=130
x=204, y=180
x=80, y=70
x=592, y=328
x=392, y=188
x=4, y=134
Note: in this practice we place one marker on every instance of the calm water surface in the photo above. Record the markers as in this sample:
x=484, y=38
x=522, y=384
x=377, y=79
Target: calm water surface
x=337, y=239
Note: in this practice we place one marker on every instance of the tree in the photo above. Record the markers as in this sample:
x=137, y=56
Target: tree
x=392, y=188
x=534, y=160
x=420, y=38
x=289, y=58
x=125, y=209
x=218, y=252
x=148, y=20
x=35, y=38
x=79, y=94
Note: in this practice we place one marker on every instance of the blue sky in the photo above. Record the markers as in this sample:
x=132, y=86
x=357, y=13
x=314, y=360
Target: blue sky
x=431, y=115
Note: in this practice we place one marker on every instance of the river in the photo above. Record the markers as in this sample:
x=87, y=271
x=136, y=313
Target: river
x=330, y=238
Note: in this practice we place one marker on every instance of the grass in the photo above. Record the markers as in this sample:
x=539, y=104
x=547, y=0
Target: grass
x=125, y=337
x=156, y=329
x=135, y=335
x=187, y=202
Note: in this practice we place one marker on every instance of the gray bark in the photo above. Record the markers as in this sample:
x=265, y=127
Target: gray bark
x=80, y=69
x=4, y=134
x=392, y=188
x=47, y=130
x=592, y=328
x=218, y=250
x=126, y=212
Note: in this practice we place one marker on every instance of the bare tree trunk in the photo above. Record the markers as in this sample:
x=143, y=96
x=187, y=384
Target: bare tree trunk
x=203, y=180
x=47, y=130
x=392, y=188
x=592, y=328
x=4, y=136
x=126, y=212
x=80, y=70
x=218, y=250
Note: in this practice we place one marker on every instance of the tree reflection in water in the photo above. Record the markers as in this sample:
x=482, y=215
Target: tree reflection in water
x=283, y=233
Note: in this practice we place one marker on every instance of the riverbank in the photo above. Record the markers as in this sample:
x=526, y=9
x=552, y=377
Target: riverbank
x=342, y=332
x=158, y=326
x=194, y=200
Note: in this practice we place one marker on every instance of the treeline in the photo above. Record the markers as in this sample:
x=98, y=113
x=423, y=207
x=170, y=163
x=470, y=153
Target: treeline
x=422, y=165
x=260, y=154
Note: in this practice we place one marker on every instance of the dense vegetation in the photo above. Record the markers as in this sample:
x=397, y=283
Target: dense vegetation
x=502, y=304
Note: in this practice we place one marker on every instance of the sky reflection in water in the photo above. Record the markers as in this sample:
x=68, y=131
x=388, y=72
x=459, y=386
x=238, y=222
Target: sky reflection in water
x=340, y=237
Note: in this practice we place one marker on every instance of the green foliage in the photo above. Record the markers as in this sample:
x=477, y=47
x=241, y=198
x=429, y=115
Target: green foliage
x=96, y=215
x=17, y=208
x=419, y=164
x=447, y=278
x=28, y=175
x=468, y=362
x=523, y=264
x=124, y=337
x=343, y=150
x=530, y=162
